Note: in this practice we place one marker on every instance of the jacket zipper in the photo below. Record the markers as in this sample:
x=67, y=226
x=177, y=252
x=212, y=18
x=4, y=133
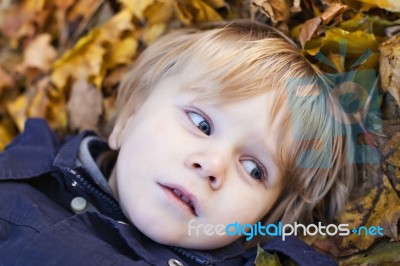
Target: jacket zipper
x=187, y=254
x=86, y=186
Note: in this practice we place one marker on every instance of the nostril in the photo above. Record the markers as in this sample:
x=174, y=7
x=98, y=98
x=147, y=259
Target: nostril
x=212, y=179
x=196, y=165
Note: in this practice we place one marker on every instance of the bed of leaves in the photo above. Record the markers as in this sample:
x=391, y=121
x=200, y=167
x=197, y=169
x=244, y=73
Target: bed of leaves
x=62, y=60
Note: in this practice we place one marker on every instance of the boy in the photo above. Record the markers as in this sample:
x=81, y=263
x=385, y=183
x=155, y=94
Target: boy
x=229, y=124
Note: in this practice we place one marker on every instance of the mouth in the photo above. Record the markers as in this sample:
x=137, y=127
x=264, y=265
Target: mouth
x=184, y=198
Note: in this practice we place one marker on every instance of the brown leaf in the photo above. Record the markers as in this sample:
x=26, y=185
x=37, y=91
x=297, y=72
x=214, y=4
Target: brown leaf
x=385, y=212
x=332, y=11
x=84, y=106
x=39, y=54
x=39, y=103
x=389, y=66
x=277, y=11
x=308, y=29
x=6, y=80
x=296, y=6
x=63, y=4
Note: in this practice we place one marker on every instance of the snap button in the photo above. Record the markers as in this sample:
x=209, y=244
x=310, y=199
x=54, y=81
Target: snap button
x=78, y=204
x=174, y=262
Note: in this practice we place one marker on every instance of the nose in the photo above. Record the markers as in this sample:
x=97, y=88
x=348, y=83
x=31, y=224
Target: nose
x=211, y=166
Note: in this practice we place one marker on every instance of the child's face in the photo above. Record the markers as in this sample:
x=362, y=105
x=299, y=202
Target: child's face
x=225, y=168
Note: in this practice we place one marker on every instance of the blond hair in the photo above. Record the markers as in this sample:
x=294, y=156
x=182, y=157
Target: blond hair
x=246, y=59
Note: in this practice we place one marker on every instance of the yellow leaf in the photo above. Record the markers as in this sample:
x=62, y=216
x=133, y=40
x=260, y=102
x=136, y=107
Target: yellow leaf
x=111, y=31
x=390, y=5
x=385, y=212
x=56, y=112
x=264, y=258
x=137, y=7
x=7, y=132
x=159, y=12
x=34, y=5
x=357, y=42
x=122, y=52
x=80, y=9
x=215, y=3
x=151, y=32
x=18, y=110
x=85, y=59
x=195, y=11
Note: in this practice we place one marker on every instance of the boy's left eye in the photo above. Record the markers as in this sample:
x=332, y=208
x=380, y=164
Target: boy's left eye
x=254, y=169
x=200, y=121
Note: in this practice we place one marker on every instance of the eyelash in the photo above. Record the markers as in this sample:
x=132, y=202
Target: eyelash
x=264, y=172
x=208, y=120
x=203, y=116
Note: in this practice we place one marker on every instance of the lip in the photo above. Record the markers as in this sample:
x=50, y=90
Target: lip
x=168, y=189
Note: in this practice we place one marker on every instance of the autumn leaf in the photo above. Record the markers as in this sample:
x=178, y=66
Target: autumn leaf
x=390, y=5
x=6, y=81
x=264, y=258
x=7, y=132
x=137, y=7
x=277, y=11
x=377, y=255
x=84, y=106
x=382, y=207
x=18, y=110
x=190, y=12
x=310, y=26
x=39, y=54
x=88, y=55
x=389, y=67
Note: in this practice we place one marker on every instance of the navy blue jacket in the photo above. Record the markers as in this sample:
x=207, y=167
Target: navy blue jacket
x=39, y=177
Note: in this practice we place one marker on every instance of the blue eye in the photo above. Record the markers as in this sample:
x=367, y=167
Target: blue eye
x=200, y=122
x=254, y=169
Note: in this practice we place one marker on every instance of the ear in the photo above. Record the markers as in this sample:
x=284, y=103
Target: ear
x=114, y=137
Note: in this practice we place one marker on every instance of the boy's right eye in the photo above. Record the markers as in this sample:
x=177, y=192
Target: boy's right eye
x=200, y=121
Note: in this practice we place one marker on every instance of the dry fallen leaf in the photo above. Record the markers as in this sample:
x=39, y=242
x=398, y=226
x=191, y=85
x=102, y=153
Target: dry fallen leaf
x=84, y=106
x=6, y=80
x=310, y=27
x=39, y=54
x=384, y=212
x=7, y=132
x=389, y=67
x=137, y=7
x=390, y=5
x=276, y=11
x=18, y=110
x=191, y=12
